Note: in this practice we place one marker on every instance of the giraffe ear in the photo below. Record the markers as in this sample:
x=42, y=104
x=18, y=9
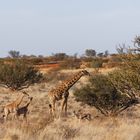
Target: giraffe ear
x=25, y=93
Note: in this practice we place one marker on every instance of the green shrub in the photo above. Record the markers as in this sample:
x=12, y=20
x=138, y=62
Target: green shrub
x=115, y=92
x=105, y=95
x=18, y=75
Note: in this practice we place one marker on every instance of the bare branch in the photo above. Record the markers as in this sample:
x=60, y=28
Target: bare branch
x=101, y=110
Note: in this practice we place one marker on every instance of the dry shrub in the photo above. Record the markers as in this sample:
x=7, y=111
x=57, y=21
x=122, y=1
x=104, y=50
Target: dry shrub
x=97, y=63
x=70, y=63
x=68, y=132
x=111, y=64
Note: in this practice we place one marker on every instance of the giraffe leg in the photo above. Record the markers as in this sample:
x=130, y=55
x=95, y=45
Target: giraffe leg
x=53, y=109
x=63, y=104
x=66, y=101
x=50, y=109
x=6, y=113
x=5, y=117
x=14, y=114
x=66, y=107
x=25, y=117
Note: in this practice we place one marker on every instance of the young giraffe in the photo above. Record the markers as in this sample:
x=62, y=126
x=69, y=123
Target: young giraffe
x=61, y=91
x=24, y=110
x=12, y=107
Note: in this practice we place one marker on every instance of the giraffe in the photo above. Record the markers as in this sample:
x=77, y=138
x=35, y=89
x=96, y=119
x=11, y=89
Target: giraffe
x=61, y=92
x=24, y=109
x=12, y=107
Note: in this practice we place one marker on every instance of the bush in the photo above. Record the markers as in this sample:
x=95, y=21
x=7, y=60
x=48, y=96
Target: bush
x=105, y=95
x=36, y=61
x=97, y=63
x=126, y=78
x=90, y=52
x=18, y=75
x=99, y=93
x=115, y=92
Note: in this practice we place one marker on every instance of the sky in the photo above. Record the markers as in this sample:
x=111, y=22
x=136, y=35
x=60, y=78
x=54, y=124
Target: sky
x=43, y=27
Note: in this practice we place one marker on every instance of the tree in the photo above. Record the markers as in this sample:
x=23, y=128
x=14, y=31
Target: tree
x=90, y=52
x=137, y=41
x=106, y=53
x=60, y=56
x=105, y=96
x=18, y=75
x=118, y=90
x=14, y=54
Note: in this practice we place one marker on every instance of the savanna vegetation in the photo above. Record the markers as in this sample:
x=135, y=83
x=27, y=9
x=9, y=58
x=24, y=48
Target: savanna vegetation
x=112, y=98
x=118, y=90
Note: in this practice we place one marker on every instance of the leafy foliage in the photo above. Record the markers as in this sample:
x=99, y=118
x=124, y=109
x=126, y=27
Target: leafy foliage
x=14, y=54
x=90, y=52
x=18, y=75
x=137, y=41
x=112, y=93
x=101, y=94
x=59, y=56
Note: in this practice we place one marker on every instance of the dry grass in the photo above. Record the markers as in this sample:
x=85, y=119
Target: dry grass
x=41, y=127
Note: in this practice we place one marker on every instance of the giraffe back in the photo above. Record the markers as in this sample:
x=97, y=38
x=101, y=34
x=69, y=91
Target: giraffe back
x=58, y=92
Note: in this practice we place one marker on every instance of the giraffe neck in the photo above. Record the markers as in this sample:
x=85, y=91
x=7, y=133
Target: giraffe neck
x=28, y=104
x=73, y=80
x=18, y=102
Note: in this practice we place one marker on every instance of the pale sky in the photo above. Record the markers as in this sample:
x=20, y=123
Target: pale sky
x=70, y=26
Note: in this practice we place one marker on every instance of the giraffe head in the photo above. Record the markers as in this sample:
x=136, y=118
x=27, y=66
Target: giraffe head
x=84, y=72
